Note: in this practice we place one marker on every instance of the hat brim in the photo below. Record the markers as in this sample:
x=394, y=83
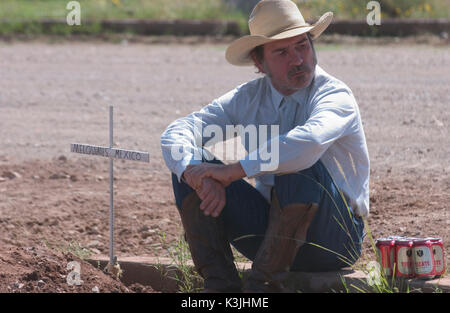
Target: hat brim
x=238, y=53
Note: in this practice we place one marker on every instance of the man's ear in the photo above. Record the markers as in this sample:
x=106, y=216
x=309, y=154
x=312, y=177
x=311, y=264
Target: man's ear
x=257, y=62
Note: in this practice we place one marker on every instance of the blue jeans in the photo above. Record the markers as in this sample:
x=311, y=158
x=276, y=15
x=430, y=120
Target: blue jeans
x=334, y=237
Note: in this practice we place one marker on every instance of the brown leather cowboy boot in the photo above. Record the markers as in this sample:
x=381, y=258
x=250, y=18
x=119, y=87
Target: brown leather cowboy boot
x=210, y=250
x=285, y=234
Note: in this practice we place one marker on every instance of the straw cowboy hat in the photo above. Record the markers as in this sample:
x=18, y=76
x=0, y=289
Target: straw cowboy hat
x=273, y=20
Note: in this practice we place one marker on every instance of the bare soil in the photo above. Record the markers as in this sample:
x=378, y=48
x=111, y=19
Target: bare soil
x=54, y=94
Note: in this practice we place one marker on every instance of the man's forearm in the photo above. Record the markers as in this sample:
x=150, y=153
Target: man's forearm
x=236, y=171
x=226, y=174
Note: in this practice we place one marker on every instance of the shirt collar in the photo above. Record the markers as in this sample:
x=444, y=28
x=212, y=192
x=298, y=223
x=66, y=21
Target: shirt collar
x=277, y=97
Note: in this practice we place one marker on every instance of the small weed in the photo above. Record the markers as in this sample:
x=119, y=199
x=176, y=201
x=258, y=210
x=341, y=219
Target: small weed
x=188, y=279
x=73, y=247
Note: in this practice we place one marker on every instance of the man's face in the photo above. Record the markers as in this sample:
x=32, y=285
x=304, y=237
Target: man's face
x=290, y=63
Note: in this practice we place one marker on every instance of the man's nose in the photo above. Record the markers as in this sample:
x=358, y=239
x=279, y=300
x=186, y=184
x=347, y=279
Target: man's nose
x=295, y=57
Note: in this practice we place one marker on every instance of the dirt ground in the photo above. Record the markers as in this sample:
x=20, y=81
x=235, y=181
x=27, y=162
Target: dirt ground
x=54, y=94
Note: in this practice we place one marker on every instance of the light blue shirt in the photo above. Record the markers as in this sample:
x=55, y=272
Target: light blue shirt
x=321, y=121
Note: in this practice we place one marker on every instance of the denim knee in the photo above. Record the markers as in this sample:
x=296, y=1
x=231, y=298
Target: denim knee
x=305, y=186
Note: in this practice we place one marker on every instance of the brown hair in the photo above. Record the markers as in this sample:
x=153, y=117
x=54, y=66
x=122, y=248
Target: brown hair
x=258, y=52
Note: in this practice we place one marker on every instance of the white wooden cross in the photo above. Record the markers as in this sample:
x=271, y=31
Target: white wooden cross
x=111, y=153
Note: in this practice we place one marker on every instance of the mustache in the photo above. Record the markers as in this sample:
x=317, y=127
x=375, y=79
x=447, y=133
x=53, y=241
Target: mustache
x=298, y=69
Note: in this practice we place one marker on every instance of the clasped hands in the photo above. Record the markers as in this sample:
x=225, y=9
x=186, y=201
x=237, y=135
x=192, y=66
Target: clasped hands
x=209, y=181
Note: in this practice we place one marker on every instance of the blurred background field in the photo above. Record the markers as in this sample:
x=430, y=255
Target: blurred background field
x=19, y=16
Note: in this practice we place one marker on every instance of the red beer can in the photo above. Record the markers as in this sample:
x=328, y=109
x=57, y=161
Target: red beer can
x=438, y=255
x=386, y=250
x=404, y=262
x=423, y=258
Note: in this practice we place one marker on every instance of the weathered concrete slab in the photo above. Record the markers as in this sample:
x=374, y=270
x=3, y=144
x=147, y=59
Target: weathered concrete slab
x=160, y=274
x=435, y=285
x=163, y=275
